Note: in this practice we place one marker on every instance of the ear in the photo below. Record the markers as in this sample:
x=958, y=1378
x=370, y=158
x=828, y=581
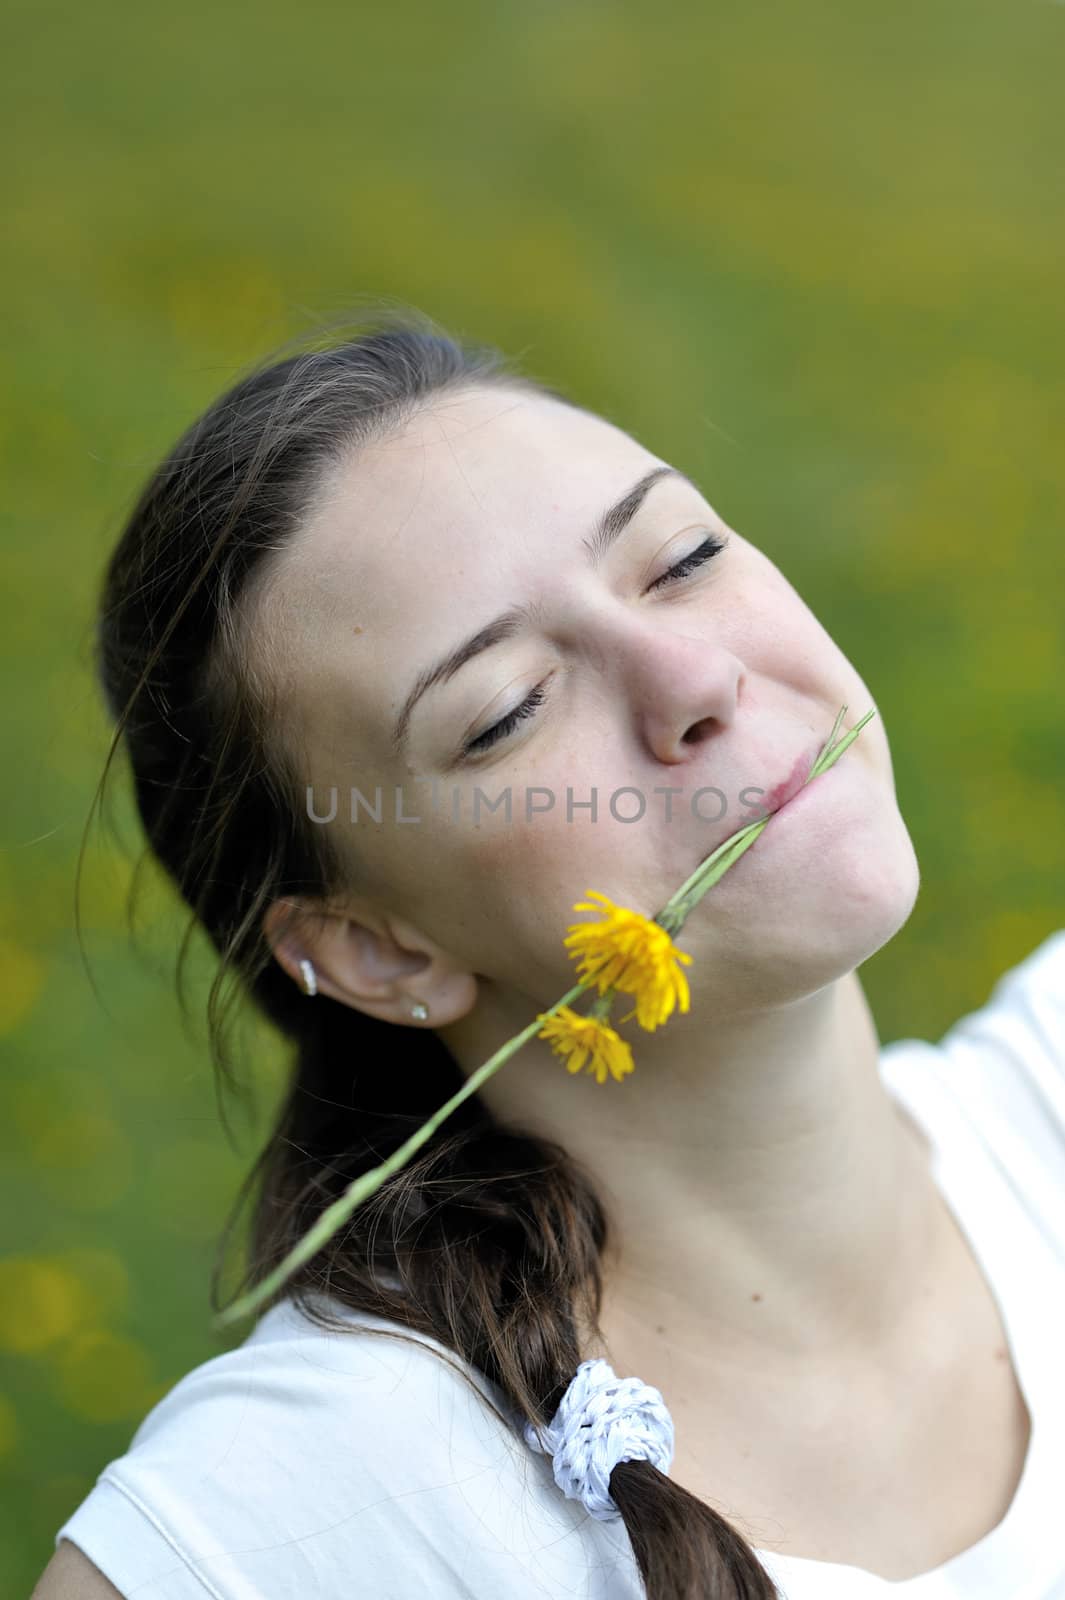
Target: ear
x=382, y=966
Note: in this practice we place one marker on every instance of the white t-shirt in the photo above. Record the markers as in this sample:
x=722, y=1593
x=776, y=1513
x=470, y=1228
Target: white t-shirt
x=311, y=1465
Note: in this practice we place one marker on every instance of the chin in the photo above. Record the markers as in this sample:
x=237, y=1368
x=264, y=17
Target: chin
x=813, y=919
x=861, y=906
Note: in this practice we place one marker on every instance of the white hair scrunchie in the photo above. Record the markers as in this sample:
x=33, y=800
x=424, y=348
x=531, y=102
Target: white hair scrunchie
x=603, y=1419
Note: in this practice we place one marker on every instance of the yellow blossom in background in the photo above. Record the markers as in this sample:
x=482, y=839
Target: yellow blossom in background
x=22, y=976
x=576, y=1038
x=103, y=1376
x=630, y=952
x=41, y=1303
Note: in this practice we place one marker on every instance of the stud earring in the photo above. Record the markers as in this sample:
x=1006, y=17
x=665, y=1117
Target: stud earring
x=419, y=1010
x=310, y=981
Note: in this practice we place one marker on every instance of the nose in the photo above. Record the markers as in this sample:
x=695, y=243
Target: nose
x=683, y=689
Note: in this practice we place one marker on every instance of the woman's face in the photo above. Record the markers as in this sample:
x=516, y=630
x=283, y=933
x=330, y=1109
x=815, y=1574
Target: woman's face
x=714, y=677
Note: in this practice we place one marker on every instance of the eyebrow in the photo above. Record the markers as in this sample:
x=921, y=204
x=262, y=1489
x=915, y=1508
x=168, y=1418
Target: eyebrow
x=610, y=524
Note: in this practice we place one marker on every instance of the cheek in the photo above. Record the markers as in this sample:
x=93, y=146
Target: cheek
x=537, y=855
x=509, y=895
x=532, y=871
x=774, y=622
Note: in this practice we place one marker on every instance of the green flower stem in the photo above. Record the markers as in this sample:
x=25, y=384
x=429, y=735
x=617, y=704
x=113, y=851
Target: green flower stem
x=672, y=917
x=367, y=1183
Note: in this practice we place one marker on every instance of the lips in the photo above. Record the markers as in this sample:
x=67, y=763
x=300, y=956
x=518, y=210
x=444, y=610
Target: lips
x=789, y=787
x=774, y=799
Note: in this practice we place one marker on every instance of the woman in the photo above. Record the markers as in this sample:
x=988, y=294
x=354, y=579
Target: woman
x=395, y=567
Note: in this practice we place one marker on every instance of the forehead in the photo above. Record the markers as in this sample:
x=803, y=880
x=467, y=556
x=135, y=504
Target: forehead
x=473, y=462
x=473, y=492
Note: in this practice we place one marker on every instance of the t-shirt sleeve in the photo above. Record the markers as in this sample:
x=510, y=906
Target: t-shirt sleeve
x=309, y=1465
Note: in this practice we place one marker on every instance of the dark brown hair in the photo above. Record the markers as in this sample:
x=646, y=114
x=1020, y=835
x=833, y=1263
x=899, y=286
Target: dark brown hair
x=490, y=1241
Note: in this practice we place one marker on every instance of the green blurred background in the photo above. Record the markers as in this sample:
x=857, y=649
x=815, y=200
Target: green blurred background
x=813, y=254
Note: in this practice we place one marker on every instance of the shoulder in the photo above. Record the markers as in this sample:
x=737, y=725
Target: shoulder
x=1021, y=1025
x=282, y=1465
x=1015, y=1036
x=999, y=1071
x=296, y=1401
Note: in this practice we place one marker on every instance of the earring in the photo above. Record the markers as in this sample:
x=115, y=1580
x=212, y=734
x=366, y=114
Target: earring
x=310, y=982
x=419, y=1010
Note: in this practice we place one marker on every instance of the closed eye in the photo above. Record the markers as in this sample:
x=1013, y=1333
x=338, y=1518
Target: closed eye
x=710, y=547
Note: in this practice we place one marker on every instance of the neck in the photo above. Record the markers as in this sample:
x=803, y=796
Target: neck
x=765, y=1197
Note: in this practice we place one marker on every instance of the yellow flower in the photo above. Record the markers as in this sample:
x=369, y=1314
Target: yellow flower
x=630, y=952
x=580, y=1037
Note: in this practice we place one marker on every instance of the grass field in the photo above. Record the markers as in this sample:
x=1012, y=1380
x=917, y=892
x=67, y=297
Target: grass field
x=811, y=254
